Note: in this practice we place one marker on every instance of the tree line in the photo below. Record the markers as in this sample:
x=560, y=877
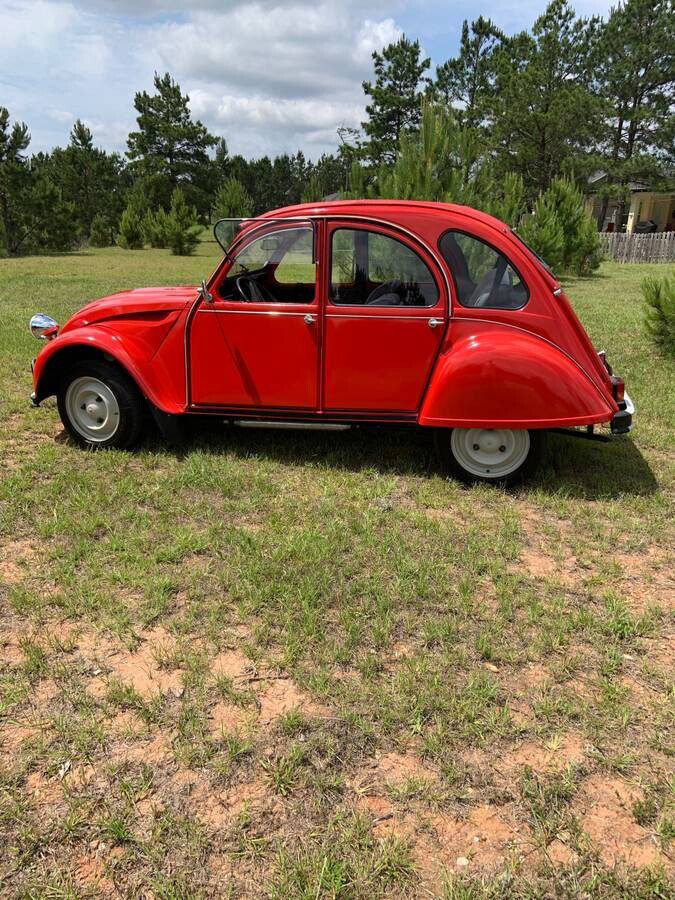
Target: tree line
x=511, y=124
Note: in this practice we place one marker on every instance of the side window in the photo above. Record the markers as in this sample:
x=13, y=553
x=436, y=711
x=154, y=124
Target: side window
x=484, y=278
x=371, y=269
x=274, y=268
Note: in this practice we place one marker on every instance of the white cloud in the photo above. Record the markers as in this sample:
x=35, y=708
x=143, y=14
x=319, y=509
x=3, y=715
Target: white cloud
x=272, y=77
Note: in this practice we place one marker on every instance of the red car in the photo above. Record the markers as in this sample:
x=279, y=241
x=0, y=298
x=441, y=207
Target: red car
x=335, y=314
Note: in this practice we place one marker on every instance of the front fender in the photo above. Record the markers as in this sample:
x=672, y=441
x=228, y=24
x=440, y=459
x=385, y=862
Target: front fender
x=146, y=369
x=494, y=376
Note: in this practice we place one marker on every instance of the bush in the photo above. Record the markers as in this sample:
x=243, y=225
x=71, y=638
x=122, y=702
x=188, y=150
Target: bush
x=581, y=244
x=100, y=232
x=544, y=233
x=232, y=201
x=155, y=227
x=131, y=232
x=659, y=297
x=182, y=228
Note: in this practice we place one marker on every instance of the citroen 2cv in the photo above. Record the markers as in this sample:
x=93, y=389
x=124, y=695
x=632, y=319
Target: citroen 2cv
x=335, y=314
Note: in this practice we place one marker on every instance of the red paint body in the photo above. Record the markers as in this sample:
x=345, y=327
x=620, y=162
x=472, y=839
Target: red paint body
x=533, y=367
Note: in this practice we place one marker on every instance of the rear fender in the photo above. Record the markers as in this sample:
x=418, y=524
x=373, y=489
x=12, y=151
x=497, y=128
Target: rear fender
x=157, y=385
x=494, y=376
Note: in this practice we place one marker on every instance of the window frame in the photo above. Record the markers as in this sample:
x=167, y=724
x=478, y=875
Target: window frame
x=382, y=230
x=263, y=229
x=496, y=250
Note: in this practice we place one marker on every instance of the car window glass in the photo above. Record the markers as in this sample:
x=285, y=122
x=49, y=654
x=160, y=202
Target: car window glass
x=484, y=277
x=296, y=265
x=277, y=267
x=372, y=269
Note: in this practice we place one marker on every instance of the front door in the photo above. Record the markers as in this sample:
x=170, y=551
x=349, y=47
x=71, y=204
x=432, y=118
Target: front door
x=384, y=321
x=256, y=346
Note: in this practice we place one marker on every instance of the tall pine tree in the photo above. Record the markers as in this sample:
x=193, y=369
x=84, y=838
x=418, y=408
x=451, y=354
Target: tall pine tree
x=545, y=116
x=634, y=65
x=467, y=81
x=395, y=97
x=170, y=145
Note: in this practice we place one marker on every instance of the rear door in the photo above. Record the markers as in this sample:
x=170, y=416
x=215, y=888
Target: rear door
x=385, y=315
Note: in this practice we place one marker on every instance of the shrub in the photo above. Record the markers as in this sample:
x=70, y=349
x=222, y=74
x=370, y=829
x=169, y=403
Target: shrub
x=99, y=233
x=581, y=244
x=659, y=297
x=544, y=233
x=155, y=227
x=182, y=228
x=589, y=252
x=131, y=233
x=232, y=201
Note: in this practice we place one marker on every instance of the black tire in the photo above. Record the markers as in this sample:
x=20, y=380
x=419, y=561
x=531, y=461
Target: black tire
x=453, y=465
x=131, y=413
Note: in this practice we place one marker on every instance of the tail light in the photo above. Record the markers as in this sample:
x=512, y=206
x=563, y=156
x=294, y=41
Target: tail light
x=618, y=388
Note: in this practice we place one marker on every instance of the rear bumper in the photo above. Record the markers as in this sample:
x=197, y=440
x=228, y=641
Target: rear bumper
x=623, y=420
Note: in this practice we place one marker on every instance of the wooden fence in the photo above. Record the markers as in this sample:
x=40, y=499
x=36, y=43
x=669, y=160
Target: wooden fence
x=632, y=248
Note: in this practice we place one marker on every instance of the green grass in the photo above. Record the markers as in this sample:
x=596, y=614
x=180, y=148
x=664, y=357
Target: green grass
x=306, y=665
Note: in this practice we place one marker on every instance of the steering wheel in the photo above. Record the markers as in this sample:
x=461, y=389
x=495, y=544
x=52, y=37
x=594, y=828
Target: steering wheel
x=253, y=292
x=241, y=283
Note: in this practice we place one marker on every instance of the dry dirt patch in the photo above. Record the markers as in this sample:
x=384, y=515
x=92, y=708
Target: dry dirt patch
x=553, y=756
x=608, y=821
x=15, y=558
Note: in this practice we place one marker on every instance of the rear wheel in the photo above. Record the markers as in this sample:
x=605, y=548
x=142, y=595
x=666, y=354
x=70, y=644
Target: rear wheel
x=100, y=406
x=503, y=456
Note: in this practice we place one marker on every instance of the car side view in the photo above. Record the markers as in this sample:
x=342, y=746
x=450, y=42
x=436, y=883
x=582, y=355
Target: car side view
x=338, y=314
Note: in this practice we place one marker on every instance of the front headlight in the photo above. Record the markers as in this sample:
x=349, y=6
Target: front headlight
x=44, y=327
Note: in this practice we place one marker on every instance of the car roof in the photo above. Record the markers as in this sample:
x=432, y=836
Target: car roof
x=395, y=210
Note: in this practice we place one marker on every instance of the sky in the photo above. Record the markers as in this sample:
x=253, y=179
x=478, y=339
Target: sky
x=270, y=77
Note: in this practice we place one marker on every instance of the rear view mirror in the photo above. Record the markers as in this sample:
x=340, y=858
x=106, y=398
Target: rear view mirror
x=270, y=243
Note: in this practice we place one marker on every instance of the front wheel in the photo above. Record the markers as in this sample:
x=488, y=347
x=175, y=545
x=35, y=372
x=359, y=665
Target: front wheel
x=502, y=456
x=100, y=406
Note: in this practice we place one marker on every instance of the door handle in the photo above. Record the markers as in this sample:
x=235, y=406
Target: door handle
x=309, y=320
x=434, y=322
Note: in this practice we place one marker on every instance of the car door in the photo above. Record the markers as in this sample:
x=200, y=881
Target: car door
x=256, y=345
x=385, y=316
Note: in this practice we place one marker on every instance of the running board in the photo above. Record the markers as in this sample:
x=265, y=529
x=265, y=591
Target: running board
x=299, y=426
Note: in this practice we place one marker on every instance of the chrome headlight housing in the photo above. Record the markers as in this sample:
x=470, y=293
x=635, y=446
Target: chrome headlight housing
x=40, y=324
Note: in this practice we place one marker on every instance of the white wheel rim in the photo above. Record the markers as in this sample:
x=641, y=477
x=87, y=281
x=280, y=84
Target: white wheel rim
x=490, y=452
x=92, y=409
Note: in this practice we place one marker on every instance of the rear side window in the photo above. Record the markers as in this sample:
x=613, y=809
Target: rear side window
x=484, y=278
x=372, y=269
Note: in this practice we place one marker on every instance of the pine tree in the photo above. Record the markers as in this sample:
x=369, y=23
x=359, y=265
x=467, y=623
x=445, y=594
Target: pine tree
x=182, y=228
x=170, y=145
x=313, y=191
x=568, y=203
x=395, y=96
x=155, y=228
x=507, y=199
x=467, y=80
x=130, y=231
x=545, y=115
x=659, y=295
x=543, y=232
x=15, y=181
x=232, y=201
x=99, y=233
x=634, y=67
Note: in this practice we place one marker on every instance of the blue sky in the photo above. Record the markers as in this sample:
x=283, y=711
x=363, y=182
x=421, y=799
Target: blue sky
x=268, y=76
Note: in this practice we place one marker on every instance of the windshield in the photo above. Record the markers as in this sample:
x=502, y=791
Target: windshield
x=227, y=231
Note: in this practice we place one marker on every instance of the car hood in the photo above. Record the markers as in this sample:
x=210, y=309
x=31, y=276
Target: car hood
x=142, y=302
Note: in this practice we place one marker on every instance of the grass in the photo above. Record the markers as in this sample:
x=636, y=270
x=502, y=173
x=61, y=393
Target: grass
x=308, y=665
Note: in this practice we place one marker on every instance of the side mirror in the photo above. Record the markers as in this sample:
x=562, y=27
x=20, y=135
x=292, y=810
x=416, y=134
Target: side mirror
x=204, y=291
